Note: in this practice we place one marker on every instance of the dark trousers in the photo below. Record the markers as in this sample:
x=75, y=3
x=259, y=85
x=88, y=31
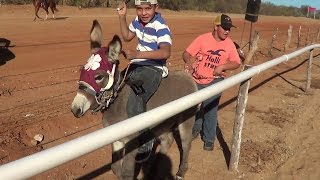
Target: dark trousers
x=144, y=82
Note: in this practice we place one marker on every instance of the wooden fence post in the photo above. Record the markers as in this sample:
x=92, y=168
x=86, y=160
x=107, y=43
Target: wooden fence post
x=299, y=37
x=286, y=46
x=272, y=40
x=238, y=123
x=315, y=37
x=253, y=49
x=309, y=71
x=318, y=35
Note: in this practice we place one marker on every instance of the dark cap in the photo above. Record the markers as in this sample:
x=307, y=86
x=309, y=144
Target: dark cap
x=224, y=21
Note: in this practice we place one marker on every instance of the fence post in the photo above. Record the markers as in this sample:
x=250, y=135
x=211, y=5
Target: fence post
x=286, y=47
x=238, y=122
x=272, y=40
x=299, y=37
x=253, y=49
x=314, y=38
x=309, y=71
x=318, y=33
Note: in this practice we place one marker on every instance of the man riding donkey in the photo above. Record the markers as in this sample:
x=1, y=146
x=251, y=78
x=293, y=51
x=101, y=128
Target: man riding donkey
x=147, y=63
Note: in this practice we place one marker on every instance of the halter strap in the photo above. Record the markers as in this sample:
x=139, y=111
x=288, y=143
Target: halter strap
x=87, y=88
x=111, y=78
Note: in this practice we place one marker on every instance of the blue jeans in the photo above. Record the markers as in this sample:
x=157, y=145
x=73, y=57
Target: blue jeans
x=145, y=81
x=207, y=117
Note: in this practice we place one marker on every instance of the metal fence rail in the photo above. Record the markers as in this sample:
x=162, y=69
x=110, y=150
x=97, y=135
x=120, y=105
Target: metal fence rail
x=47, y=159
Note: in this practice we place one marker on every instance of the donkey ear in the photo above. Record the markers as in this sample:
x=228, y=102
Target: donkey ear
x=95, y=36
x=114, y=49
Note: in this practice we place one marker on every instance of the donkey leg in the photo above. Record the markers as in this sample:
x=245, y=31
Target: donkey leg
x=166, y=142
x=36, y=12
x=129, y=166
x=185, y=131
x=117, y=155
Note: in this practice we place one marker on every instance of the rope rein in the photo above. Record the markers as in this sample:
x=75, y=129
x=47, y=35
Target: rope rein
x=106, y=99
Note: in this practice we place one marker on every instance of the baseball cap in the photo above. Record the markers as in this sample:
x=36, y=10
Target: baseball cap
x=224, y=21
x=139, y=2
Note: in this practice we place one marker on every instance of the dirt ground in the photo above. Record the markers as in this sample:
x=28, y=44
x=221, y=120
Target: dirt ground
x=38, y=80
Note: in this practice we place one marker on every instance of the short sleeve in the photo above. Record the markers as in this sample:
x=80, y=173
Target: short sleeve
x=163, y=33
x=132, y=28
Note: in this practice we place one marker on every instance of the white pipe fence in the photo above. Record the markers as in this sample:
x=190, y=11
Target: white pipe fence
x=47, y=159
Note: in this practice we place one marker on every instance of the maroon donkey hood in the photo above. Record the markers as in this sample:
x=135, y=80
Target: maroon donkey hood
x=97, y=61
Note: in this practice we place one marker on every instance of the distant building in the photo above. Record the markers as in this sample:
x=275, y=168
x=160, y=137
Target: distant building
x=310, y=10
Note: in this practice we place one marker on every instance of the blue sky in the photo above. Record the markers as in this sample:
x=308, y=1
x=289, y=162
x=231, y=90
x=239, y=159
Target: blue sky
x=296, y=3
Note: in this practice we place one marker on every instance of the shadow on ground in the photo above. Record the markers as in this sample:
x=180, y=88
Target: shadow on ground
x=160, y=168
x=5, y=53
x=60, y=18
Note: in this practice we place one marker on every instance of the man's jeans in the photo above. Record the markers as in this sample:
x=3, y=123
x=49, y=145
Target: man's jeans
x=207, y=117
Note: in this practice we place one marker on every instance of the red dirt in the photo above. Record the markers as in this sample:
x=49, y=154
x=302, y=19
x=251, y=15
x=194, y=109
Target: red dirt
x=280, y=134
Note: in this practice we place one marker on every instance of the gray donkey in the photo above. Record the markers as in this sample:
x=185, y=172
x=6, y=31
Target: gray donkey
x=102, y=88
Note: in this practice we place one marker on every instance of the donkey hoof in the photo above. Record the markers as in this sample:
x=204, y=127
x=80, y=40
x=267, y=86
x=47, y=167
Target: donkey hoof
x=179, y=178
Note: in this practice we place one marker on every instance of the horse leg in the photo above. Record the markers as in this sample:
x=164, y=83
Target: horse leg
x=47, y=12
x=117, y=155
x=185, y=131
x=37, y=7
x=52, y=10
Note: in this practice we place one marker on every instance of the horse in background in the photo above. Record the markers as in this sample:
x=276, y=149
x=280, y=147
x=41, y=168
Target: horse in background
x=45, y=4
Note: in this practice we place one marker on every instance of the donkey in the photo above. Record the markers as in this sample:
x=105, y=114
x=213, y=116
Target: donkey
x=45, y=4
x=102, y=88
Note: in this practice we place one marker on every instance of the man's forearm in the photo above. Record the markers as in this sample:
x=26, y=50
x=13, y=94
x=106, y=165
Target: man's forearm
x=164, y=53
x=186, y=57
x=230, y=66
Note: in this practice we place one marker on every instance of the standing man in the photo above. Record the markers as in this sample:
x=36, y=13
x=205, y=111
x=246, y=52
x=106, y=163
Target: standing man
x=147, y=61
x=207, y=58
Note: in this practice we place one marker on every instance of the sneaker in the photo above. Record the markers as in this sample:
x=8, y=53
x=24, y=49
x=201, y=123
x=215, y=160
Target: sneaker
x=208, y=146
x=144, y=151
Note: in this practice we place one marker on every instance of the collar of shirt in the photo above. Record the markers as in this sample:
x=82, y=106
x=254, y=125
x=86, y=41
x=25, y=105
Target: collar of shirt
x=156, y=16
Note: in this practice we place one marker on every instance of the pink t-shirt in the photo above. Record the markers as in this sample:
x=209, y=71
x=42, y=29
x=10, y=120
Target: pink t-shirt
x=209, y=54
